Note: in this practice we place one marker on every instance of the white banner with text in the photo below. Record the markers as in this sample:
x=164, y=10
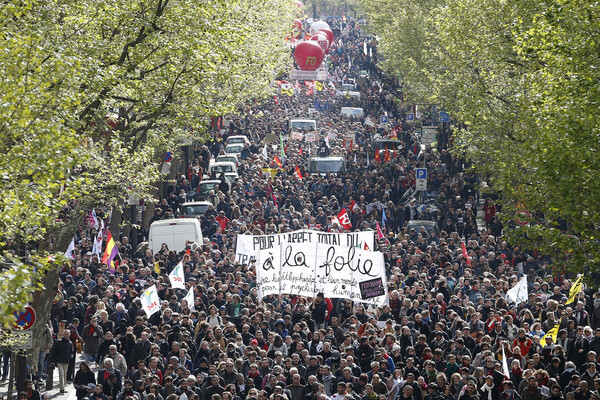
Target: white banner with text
x=248, y=246
x=306, y=269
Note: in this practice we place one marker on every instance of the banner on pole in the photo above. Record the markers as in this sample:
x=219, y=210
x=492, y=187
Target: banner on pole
x=150, y=300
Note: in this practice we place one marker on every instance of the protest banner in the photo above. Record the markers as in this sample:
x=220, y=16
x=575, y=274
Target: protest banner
x=248, y=246
x=306, y=269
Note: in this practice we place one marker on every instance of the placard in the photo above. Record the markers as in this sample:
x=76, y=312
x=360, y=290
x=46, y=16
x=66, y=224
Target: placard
x=296, y=136
x=311, y=137
x=372, y=288
x=306, y=269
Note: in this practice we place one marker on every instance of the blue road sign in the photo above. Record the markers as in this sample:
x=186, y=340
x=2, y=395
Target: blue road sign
x=383, y=119
x=410, y=117
x=421, y=173
x=444, y=116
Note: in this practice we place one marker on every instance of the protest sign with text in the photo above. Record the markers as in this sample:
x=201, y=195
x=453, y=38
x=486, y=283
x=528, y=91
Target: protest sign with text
x=306, y=269
x=248, y=246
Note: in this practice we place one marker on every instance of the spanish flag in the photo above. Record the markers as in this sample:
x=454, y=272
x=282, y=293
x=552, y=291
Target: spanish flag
x=575, y=289
x=110, y=252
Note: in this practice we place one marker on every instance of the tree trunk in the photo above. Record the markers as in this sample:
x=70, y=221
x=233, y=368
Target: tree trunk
x=43, y=299
x=127, y=219
x=115, y=221
x=12, y=375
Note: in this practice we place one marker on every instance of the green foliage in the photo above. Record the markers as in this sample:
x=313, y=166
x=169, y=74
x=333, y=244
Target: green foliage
x=523, y=78
x=160, y=68
x=93, y=93
x=17, y=283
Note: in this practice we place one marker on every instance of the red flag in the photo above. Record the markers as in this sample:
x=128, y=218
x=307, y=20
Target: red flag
x=300, y=150
x=377, y=156
x=344, y=219
x=387, y=154
x=277, y=161
x=465, y=254
x=298, y=173
x=380, y=234
x=309, y=91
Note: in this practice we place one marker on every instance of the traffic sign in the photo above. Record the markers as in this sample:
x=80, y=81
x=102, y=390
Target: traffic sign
x=383, y=119
x=25, y=319
x=444, y=116
x=427, y=138
x=522, y=217
x=168, y=156
x=421, y=181
x=410, y=117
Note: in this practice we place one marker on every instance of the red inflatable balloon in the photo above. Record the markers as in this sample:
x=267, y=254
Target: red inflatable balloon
x=328, y=32
x=322, y=40
x=298, y=24
x=308, y=55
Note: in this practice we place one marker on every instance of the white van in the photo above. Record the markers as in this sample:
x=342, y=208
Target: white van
x=174, y=232
x=306, y=124
x=323, y=165
x=218, y=167
x=352, y=112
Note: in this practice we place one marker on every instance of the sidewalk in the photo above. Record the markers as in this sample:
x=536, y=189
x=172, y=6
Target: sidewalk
x=70, y=390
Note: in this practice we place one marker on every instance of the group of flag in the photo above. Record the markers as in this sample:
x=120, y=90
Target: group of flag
x=110, y=251
x=289, y=88
x=387, y=155
x=150, y=299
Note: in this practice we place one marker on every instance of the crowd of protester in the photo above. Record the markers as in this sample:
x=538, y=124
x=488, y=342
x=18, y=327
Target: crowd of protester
x=448, y=327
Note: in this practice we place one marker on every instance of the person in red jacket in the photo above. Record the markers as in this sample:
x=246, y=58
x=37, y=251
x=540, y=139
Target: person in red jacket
x=522, y=341
x=222, y=220
x=489, y=211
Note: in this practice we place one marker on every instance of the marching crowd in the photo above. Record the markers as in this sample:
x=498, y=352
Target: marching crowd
x=448, y=328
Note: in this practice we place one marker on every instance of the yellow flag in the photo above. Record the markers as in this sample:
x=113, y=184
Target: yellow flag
x=575, y=289
x=553, y=333
x=156, y=268
x=318, y=86
x=289, y=92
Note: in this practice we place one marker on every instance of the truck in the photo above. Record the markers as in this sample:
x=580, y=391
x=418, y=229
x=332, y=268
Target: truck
x=323, y=165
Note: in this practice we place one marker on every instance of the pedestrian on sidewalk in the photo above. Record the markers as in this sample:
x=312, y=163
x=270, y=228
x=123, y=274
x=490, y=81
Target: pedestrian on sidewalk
x=61, y=354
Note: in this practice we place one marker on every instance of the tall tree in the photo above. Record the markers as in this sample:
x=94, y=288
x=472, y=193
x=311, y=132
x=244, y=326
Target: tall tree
x=93, y=93
x=522, y=77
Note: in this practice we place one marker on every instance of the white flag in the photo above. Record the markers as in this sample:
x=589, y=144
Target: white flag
x=505, y=365
x=95, y=218
x=189, y=297
x=150, y=300
x=365, y=47
x=177, y=278
x=70, y=249
x=97, y=246
x=519, y=293
x=265, y=154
